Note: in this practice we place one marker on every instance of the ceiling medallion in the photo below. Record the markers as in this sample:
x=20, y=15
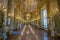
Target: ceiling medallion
x=30, y=5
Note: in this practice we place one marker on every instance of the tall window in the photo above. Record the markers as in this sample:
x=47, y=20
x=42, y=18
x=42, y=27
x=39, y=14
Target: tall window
x=44, y=18
x=9, y=21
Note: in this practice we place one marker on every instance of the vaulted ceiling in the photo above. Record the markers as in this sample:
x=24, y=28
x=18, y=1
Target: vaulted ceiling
x=19, y=6
x=21, y=2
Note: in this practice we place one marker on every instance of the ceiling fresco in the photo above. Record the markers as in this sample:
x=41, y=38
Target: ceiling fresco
x=28, y=7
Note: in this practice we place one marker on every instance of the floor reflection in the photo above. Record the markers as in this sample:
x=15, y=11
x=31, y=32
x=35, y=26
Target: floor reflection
x=45, y=36
x=30, y=33
x=27, y=31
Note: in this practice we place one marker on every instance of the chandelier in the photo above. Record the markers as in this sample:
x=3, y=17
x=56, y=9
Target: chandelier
x=30, y=5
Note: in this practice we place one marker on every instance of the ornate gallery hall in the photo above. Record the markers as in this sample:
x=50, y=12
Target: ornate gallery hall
x=29, y=20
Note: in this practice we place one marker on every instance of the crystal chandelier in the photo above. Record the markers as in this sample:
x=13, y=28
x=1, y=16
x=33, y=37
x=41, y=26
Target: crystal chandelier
x=30, y=5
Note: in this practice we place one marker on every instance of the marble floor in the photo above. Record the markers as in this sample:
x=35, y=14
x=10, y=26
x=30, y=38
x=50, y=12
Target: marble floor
x=30, y=33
